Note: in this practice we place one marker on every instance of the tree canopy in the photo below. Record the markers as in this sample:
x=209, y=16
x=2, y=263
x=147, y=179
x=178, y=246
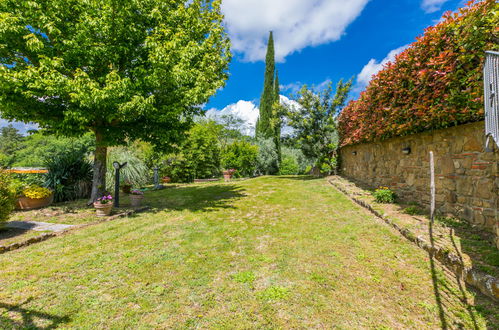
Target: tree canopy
x=314, y=121
x=124, y=70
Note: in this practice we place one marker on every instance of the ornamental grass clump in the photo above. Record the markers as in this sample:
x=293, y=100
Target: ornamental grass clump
x=384, y=195
x=7, y=197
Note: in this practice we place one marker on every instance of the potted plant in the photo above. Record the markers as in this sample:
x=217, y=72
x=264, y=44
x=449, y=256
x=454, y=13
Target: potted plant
x=34, y=197
x=104, y=205
x=166, y=179
x=228, y=174
x=136, y=197
x=126, y=187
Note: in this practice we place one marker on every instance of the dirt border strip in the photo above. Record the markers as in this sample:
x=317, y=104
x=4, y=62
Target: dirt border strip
x=487, y=284
x=44, y=237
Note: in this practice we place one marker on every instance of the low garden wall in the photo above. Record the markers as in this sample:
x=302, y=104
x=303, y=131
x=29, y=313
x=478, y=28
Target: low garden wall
x=467, y=177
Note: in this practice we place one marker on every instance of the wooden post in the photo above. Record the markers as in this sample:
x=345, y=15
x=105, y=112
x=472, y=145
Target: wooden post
x=432, y=187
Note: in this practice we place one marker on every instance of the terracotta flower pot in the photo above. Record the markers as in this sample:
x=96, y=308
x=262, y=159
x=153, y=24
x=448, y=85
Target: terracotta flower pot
x=103, y=210
x=166, y=179
x=136, y=200
x=25, y=203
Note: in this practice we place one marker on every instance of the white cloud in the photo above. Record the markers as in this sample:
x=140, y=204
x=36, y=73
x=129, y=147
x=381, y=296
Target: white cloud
x=292, y=88
x=431, y=6
x=296, y=24
x=248, y=112
x=373, y=67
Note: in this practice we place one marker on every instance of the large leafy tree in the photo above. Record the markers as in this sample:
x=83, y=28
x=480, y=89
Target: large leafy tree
x=315, y=122
x=123, y=70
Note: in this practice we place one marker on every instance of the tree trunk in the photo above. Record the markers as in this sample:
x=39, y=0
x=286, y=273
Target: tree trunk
x=100, y=159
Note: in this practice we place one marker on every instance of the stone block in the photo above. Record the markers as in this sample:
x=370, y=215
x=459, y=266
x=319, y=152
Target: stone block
x=446, y=164
x=450, y=197
x=473, y=143
x=464, y=186
x=484, y=188
x=478, y=219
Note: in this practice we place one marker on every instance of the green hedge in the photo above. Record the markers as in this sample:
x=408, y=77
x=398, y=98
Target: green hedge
x=437, y=82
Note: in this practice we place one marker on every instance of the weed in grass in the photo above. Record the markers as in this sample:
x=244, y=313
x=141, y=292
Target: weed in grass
x=384, y=195
x=361, y=257
x=376, y=279
x=244, y=277
x=334, y=254
x=492, y=258
x=451, y=222
x=274, y=293
x=318, y=278
x=413, y=210
x=158, y=290
x=429, y=307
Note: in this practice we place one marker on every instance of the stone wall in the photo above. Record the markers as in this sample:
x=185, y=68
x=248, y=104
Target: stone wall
x=467, y=177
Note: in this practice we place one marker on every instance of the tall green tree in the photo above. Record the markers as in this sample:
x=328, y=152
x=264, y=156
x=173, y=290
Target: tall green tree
x=264, y=125
x=11, y=141
x=123, y=70
x=276, y=119
x=314, y=121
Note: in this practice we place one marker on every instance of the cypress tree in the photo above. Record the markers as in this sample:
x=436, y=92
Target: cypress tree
x=276, y=118
x=264, y=127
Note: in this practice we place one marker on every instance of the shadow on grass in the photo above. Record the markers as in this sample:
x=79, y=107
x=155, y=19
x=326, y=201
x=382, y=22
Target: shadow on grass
x=204, y=198
x=7, y=233
x=24, y=318
x=475, y=243
x=449, y=287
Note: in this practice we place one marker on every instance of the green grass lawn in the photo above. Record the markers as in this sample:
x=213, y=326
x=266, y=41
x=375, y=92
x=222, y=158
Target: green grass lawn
x=272, y=252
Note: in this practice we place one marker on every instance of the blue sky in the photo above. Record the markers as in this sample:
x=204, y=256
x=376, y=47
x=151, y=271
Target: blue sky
x=316, y=41
x=371, y=31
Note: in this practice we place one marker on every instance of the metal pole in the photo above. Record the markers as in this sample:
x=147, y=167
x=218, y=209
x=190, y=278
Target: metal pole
x=117, y=188
x=432, y=187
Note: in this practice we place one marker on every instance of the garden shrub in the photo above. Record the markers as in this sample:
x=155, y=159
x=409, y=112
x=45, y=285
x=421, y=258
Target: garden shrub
x=267, y=159
x=435, y=83
x=177, y=168
x=302, y=162
x=7, y=197
x=413, y=210
x=288, y=166
x=202, y=151
x=29, y=179
x=69, y=175
x=198, y=157
x=39, y=146
x=384, y=195
x=242, y=156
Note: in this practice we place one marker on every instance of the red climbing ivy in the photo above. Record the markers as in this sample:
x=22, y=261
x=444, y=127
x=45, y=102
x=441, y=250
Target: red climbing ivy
x=435, y=83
